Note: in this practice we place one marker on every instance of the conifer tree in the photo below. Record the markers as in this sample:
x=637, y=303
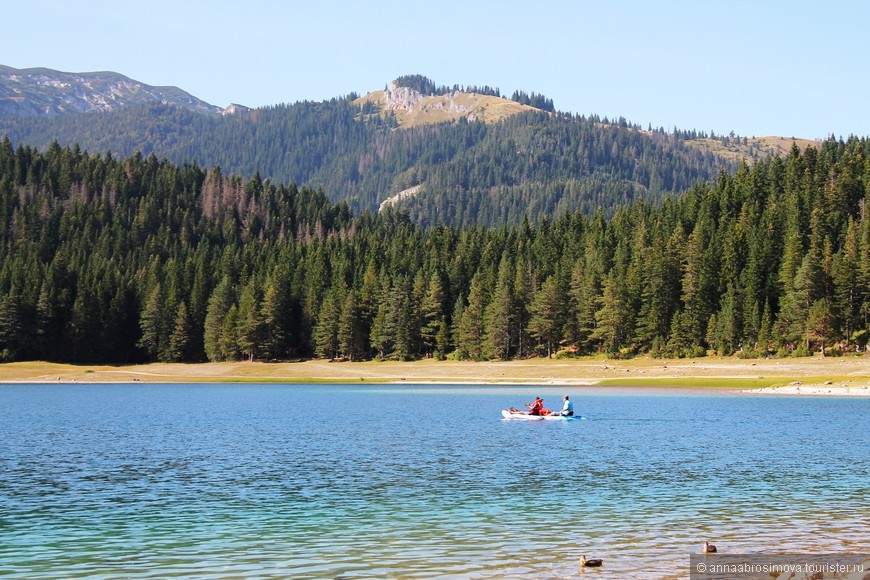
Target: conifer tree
x=682, y=340
x=711, y=336
x=82, y=344
x=274, y=342
x=151, y=323
x=228, y=343
x=383, y=331
x=218, y=306
x=432, y=314
x=180, y=339
x=500, y=314
x=12, y=328
x=729, y=322
x=845, y=274
x=326, y=344
x=806, y=288
x=471, y=324
x=442, y=339
x=523, y=297
x=458, y=313
x=406, y=330
x=48, y=330
x=350, y=328
x=819, y=323
x=863, y=298
x=611, y=317
x=249, y=329
x=584, y=294
x=695, y=313
x=200, y=291
x=548, y=315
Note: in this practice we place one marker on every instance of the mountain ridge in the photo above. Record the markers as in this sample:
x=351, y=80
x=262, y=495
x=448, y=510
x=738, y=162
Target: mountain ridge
x=43, y=91
x=467, y=154
x=411, y=106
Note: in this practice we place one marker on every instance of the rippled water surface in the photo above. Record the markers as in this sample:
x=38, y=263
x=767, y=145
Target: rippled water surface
x=351, y=481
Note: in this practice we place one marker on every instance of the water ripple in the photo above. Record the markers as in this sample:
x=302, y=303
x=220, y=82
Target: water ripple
x=218, y=481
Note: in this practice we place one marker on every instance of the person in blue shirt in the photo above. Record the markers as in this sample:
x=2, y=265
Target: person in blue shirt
x=567, y=407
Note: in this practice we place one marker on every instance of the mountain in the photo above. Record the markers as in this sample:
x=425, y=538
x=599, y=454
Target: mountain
x=460, y=155
x=35, y=92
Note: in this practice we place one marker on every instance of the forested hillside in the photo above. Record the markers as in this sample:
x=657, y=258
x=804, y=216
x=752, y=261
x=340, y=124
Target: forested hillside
x=119, y=260
x=532, y=164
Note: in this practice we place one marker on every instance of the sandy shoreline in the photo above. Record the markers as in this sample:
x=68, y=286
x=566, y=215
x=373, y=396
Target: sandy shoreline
x=849, y=376
x=845, y=389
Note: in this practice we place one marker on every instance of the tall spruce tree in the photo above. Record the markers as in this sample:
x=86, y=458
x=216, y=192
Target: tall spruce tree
x=471, y=325
x=151, y=322
x=432, y=314
x=500, y=315
x=351, y=334
x=611, y=320
x=272, y=313
x=249, y=329
x=219, y=304
x=456, y=318
x=548, y=315
x=326, y=343
x=14, y=334
x=180, y=339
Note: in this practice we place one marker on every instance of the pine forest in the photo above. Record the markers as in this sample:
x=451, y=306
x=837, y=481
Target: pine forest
x=140, y=259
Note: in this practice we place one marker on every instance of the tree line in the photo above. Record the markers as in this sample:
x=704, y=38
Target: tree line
x=137, y=259
x=427, y=87
x=534, y=100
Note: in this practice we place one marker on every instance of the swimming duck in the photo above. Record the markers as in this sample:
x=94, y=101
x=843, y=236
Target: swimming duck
x=709, y=548
x=590, y=563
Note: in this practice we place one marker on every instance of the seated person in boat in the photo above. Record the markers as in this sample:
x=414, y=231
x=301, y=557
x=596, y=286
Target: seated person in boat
x=567, y=407
x=536, y=408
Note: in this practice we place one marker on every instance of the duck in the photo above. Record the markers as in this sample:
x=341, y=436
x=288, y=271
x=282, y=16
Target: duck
x=594, y=563
x=709, y=548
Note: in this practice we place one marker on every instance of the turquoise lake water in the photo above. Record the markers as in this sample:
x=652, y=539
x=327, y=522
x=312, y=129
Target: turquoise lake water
x=351, y=481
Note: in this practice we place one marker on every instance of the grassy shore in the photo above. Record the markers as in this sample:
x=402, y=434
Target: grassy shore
x=708, y=372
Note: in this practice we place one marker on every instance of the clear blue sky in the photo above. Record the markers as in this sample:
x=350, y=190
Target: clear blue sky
x=792, y=68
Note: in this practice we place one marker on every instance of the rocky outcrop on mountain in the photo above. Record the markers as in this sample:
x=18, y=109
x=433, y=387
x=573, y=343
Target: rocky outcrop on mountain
x=404, y=194
x=46, y=92
x=398, y=98
x=235, y=109
x=412, y=108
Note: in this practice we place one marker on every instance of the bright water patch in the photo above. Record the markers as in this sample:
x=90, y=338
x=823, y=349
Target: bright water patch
x=277, y=481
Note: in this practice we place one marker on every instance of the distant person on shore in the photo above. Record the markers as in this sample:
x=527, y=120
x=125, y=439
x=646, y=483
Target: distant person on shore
x=567, y=407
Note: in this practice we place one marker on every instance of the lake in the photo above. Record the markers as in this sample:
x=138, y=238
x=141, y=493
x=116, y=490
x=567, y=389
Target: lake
x=363, y=481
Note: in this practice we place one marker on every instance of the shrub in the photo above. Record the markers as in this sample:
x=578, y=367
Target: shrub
x=750, y=353
x=696, y=351
x=802, y=350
